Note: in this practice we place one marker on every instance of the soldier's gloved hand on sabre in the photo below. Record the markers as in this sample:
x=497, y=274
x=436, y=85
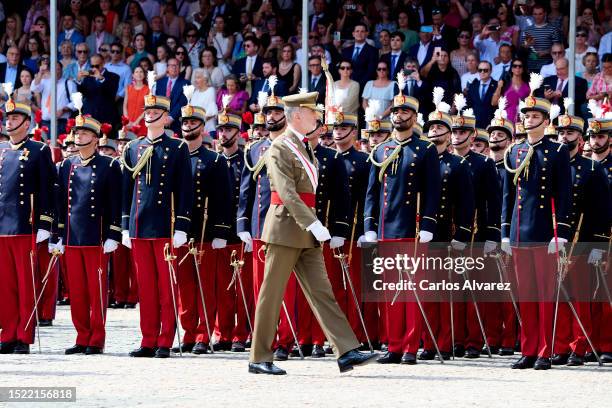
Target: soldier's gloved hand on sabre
x=319, y=231
x=489, y=246
x=458, y=245
x=371, y=236
x=595, y=256
x=505, y=246
x=41, y=235
x=125, y=239
x=245, y=236
x=110, y=245
x=361, y=240
x=336, y=242
x=425, y=236
x=556, y=243
x=248, y=247
x=218, y=243
x=179, y=239
x=59, y=246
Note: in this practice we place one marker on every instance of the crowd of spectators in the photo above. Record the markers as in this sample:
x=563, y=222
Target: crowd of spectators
x=483, y=48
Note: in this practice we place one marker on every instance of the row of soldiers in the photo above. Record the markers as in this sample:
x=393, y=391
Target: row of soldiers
x=193, y=219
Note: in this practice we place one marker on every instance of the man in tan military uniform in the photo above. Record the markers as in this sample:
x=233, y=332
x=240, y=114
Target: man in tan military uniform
x=292, y=234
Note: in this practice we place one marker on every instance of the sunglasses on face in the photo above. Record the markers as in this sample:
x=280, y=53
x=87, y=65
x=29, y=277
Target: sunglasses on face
x=517, y=66
x=180, y=53
x=582, y=35
x=81, y=51
x=483, y=69
x=344, y=67
x=464, y=36
x=103, y=49
x=381, y=69
x=115, y=51
x=191, y=35
x=314, y=65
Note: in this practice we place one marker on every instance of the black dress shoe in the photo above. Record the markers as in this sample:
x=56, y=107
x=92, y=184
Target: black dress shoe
x=281, y=354
x=459, y=350
x=265, y=368
x=247, y=344
x=76, y=349
x=575, y=360
x=162, y=352
x=21, y=348
x=117, y=305
x=472, y=352
x=306, y=350
x=92, y=350
x=355, y=358
x=184, y=347
x=589, y=357
x=200, y=348
x=238, y=347
x=222, y=346
x=605, y=357
x=63, y=302
x=524, y=362
x=506, y=351
x=143, y=352
x=390, y=358
x=384, y=347
x=45, y=323
x=427, y=355
x=542, y=363
x=494, y=350
x=559, y=359
x=408, y=358
x=329, y=350
x=129, y=305
x=317, y=351
x=7, y=347
x=446, y=355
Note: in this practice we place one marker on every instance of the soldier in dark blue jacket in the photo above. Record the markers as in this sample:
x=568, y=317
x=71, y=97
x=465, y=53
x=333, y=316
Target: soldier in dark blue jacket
x=157, y=204
x=486, y=222
x=405, y=173
x=455, y=217
x=26, y=215
x=590, y=208
x=210, y=223
x=535, y=225
x=89, y=219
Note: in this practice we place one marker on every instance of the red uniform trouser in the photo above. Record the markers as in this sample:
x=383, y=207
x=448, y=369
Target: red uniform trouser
x=601, y=317
x=124, y=276
x=65, y=290
x=157, y=320
x=259, y=263
x=536, y=272
x=192, y=317
x=48, y=300
x=500, y=323
x=232, y=324
x=439, y=313
x=87, y=271
x=16, y=289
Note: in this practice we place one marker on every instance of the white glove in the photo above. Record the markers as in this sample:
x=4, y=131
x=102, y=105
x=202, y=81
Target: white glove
x=505, y=246
x=595, y=256
x=180, y=238
x=319, y=231
x=371, y=236
x=125, y=239
x=245, y=236
x=556, y=243
x=425, y=236
x=51, y=247
x=361, y=240
x=59, y=246
x=336, y=242
x=41, y=235
x=489, y=246
x=458, y=245
x=110, y=245
x=248, y=247
x=218, y=243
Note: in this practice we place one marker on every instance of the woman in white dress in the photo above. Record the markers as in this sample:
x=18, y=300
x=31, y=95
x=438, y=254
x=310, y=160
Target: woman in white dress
x=380, y=90
x=205, y=97
x=346, y=91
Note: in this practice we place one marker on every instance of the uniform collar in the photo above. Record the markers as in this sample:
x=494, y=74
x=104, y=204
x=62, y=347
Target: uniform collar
x=85, y=162
x=17, y=146
x=348, y=151
x=157, y=140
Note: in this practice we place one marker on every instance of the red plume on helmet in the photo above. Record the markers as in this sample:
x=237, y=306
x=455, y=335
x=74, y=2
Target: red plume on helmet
x=106, y=128
x=38, y=116
x=70, y=124
x=37, y=135
x=247, y=117
x=124, y=120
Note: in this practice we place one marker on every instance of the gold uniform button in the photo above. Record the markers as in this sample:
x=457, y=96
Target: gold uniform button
x=159, y=202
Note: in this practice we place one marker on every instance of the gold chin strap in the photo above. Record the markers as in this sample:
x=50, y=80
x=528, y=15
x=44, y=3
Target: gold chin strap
x=522, y=168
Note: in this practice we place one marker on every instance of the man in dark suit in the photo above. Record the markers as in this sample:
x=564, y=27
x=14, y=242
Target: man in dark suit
x=316, y=78
x=556, y=87
x=249, y=68
x=443, y=32
x=320, y=15
x=269, y=67
x=171, y=86
x=480, y=93
x=363, y=56
x=156, y=36
x=423, y=51
x=99, y=89
x=419, y=14
x=416, y=87
x=9, y=70
x=396, y=58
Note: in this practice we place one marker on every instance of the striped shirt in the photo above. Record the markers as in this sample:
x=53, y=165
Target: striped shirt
x=544, y=36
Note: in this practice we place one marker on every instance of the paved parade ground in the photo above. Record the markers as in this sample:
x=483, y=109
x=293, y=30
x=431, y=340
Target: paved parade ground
x=116, y=380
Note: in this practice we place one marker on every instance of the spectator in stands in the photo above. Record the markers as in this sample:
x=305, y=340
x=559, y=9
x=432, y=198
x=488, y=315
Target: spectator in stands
x=133, y=103
x=379, y=90
x=350, y=16
x=33, y=53
x=411, y=37
x=238, y=102
x=222, y=40
x=501, y=67
x=173, y=24
x=589, y=19
x=248, y=68
x=150, y=8
x=557, y=17
x=13, y=31
x=346, y=90
x=582, y=47
x=269, y=67
x=442, y=32
x=480, y=94
x=289, y=71
x=424, y=50
x=508, y=30
x=25, y=93
x=156, y=36
x=556, y=87
x=488, y=41
x=99, y=36
x=459, y=55
x=9, y=70
x=536, y=41
x=185, y=68
x=39, y=8
x=171, y=86
x=385, y=23
x=104, y=51
x=125, y=35
x=41, y=30
x=140, y=51
x=82, y=58
x=316, y=79
x=136, y=18
x=161, y=61
x=477, y=23
x=557, y=51
x=362, y=55
x=439, y=72
x=193, y=45
x=69, y=30
x=69, y=64
x=384, y=40
x=99, y=89
x=605, y=45
x=118, y=66
x=515, y=89
x=42, y=84
x=590, y=62
x=472, y=71
x=396, y=58
x=522, y=12
x=602, y=82
x=205, y=97
x=208, y=62
x=319, y=14
x=419, y=13
x=111, y=16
